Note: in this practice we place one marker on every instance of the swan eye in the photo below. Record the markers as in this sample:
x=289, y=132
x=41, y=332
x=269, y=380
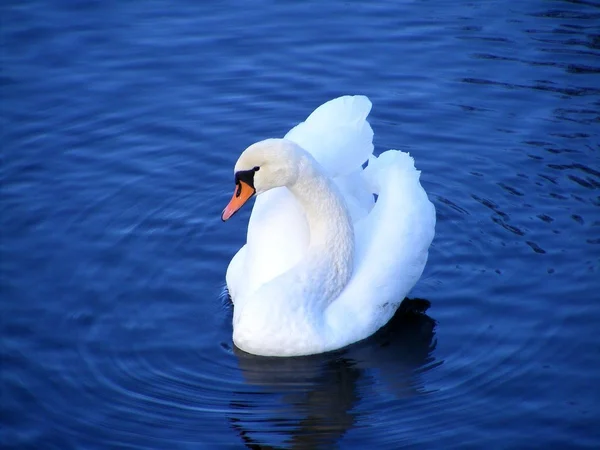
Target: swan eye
x=256, y=168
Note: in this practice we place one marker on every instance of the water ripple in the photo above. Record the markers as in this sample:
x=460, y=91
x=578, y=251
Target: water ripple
x=121, y=127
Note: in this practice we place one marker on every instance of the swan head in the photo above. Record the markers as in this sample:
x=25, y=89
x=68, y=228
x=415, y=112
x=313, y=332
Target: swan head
x=262, y=166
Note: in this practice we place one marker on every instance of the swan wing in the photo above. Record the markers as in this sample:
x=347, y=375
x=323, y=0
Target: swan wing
x=392, y=244
x=337, y=134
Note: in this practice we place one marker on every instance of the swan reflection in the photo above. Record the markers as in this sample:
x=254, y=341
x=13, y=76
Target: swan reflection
x=310, y=402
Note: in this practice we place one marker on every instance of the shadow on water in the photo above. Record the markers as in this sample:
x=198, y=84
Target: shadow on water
x=317, y=395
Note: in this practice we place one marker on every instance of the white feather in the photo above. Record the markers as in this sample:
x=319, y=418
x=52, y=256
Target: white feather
x=390, y=242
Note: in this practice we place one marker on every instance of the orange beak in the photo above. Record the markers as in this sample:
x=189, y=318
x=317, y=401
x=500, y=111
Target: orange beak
x=243, y=192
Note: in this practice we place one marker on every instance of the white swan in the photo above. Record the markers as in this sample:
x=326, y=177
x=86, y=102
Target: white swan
x=325, y=265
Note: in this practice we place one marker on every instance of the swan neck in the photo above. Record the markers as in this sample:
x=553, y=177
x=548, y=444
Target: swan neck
x=331, y=249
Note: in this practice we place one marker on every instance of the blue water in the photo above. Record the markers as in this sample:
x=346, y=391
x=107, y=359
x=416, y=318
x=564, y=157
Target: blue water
x=121, y=122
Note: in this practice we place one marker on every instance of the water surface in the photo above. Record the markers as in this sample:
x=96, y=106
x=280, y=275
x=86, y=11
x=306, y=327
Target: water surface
x=121, y=124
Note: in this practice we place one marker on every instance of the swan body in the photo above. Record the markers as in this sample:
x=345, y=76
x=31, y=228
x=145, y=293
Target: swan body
x=325, y=264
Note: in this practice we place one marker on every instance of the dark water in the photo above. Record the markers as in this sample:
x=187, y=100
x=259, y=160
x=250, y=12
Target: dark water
x=121, y=123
